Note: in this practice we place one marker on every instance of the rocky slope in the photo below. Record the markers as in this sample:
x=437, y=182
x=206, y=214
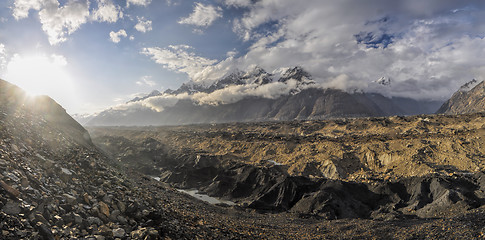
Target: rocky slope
x=55, y=184
x=466, y=100
x=256, y=96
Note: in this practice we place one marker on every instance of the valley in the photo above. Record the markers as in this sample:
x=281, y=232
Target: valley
x=358, y=171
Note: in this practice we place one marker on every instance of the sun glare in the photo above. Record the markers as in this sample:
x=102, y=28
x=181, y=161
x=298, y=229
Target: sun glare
x=40, y=75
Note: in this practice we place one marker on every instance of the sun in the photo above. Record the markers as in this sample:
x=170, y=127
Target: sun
x=40, y=75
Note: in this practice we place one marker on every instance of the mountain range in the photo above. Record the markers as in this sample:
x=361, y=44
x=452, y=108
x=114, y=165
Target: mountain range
x=257, y=95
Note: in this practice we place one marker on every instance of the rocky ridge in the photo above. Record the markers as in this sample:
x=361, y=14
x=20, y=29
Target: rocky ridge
x=466, y=99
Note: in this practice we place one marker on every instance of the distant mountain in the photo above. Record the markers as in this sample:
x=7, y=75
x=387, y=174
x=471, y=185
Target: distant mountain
x=152, y=94
x=257, y=95
x=470, y=98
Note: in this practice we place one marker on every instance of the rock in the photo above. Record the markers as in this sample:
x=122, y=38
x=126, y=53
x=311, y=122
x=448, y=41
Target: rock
x=77, y=218
x=70, y=199
x=122, y=220
x=122, y=207
x=15, y=148
x=11, y=191
x=65, y=174
x=99, y=237
x=94, y=221
x=140, y=233
x=114, y=215
x=24, y=182
x=118, y=232
x=12, y=208
x=87, y=198
x=105, y=231
x=44, y=231
x=103, y=207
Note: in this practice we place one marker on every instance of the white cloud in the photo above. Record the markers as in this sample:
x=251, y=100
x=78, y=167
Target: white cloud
x=179, y=58
x=203, y=15
x=3, y=58
x=232, y=94
x=232, y=53
x=57, y=21
x=238, y=3
x=116, y=36
x=22, y=7
x=173, y=2
x=107, y=12
x=146, y=80
x=138, y=2
x=228, y=95
x=143, y=25
x=132, y=38
x=428, y=48
x=428, y=53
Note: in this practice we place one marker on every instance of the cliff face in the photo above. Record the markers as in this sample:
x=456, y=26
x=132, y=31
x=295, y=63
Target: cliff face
x=465, y=101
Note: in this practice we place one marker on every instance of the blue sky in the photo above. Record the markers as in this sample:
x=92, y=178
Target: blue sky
x=92, y=54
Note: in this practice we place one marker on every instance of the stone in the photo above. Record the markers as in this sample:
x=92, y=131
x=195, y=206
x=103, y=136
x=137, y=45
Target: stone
x=103, y=207
x=99, y=237
x=70, y=199
x=44, y=231
x=122, y=206
x=12, y=208
x=140, y=233
x=105, y=231
x=87, y=198
x=118, y=232
x=77, y=218
x=94, y=221
x=10, y=190
x=122, y=220
x=24, y=182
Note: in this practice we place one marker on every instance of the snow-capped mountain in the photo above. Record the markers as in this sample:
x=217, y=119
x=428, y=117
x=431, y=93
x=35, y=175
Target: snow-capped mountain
x=256, y=75
x=256, y=95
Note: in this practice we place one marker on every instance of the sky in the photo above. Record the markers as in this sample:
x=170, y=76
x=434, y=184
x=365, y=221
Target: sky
x=93, y=54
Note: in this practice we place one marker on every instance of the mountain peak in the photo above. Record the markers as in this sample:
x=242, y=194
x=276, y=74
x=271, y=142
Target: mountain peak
x=296, y=73
x=383, y=81
x=151, y=94
x=468, y=86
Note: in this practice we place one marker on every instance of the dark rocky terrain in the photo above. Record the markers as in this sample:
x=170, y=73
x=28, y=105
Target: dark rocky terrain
x=56, y=184
x=466, y=100
x=304, y=99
